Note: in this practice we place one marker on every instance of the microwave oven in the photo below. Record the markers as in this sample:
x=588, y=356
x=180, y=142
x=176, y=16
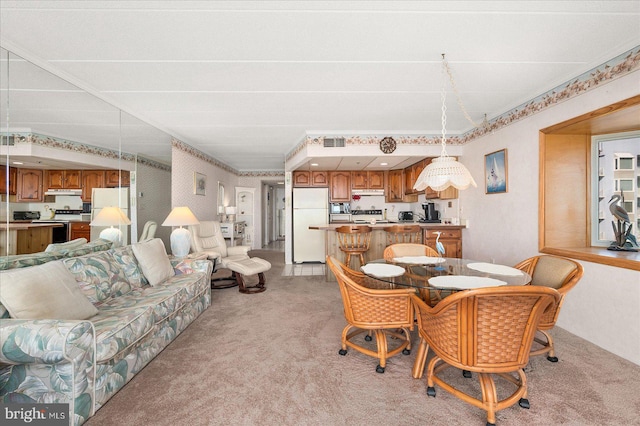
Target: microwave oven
x=339, y=208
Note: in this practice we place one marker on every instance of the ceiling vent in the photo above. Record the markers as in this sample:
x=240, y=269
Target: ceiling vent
x=334, y=142
x=7, y=140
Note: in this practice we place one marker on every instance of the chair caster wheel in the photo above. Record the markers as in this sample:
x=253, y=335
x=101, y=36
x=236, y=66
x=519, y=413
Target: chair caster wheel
x=552, y=358
x=379, y=369
x=367, y=338
x=431, y=391
x=524, y=403
x=406, y=352
x=466, y=374
x=342, y=352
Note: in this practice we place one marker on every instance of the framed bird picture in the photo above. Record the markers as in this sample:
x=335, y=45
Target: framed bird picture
x=495, y=172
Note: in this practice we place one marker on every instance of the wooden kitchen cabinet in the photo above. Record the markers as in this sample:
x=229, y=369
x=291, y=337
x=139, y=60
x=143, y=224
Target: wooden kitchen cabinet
x=340, y=186
x=79, y=230
x=367, y=179
x=411, y=174
x=451, y=239
x=395, y=188
x=91, y=179
x=29, y=185
x=117, y=178
x=63, y=179
x=306, y=178
x=13, y=176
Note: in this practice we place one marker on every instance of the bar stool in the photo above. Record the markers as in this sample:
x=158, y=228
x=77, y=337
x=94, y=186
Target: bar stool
x=397, y=234
x=354, y=240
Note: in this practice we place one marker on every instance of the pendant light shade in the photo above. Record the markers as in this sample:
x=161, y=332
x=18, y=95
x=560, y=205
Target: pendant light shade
x=444, y=171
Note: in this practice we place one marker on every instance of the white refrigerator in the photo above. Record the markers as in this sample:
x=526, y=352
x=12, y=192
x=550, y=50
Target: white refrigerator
x=310, y=207
x=110, y=197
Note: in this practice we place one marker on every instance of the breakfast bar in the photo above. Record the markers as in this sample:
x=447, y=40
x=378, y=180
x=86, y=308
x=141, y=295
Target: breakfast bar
x=450, y=237
x=25, y=238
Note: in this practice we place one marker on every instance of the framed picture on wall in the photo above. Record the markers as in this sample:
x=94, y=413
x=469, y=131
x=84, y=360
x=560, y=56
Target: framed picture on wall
x=199, y=184
x=495, y=172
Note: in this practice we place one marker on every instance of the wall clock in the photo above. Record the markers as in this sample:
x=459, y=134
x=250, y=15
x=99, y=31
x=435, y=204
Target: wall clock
x=387, y=145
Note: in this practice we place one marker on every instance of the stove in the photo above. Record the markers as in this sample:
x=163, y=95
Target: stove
x=365, y=216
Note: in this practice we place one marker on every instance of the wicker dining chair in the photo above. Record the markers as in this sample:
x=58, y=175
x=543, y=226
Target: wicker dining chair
x=488, y=331
x=556, y=272
x=397, y=234
x=431, y=295
x=354, y=240
x=385, y=313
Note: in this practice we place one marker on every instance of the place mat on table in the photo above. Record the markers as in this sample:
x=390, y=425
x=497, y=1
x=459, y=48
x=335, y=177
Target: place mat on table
x=464, y=282
x=419, y=260
x=382, y=270
x=492, y=268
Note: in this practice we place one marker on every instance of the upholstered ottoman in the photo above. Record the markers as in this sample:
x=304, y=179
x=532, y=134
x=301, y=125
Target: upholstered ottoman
x=252, y=266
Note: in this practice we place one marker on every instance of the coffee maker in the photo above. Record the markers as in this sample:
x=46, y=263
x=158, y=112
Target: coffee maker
x=431, y=215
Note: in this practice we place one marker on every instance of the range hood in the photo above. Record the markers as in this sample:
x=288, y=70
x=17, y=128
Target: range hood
x=63, y=192
x=367, y=192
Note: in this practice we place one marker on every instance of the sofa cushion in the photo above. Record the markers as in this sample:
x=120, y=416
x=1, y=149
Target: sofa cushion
x=130, y=266
x=118, y=328
x=47, y=291
x=91, y=247
x=53, y=247
x=99, y=276
x=153, y=259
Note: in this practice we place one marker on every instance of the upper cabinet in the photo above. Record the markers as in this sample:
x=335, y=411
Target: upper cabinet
x=13, y=175
x=395, y=188
x=91, y=179
x=367, y=180
x=29, y=185
x=117, y=178
x=340, y=186
x=305, y=178
x=63, y=179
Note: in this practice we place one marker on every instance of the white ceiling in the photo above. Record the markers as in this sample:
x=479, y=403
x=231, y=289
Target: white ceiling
x=245, y=81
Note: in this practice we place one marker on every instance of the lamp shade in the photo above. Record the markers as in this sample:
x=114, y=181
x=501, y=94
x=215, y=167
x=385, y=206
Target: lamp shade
x=180, y=216
x=443, y=172
x=110, y=216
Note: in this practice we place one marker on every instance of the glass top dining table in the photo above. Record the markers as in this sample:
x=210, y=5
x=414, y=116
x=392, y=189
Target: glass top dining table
x=442, y=273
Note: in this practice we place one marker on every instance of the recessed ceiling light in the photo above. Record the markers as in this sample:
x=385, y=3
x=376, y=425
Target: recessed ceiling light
x=314, y=164
x=18, y=162
x=384, y=164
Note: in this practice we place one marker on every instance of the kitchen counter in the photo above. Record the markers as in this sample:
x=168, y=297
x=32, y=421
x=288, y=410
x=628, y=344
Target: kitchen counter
x=25, y=237
x=451, y=238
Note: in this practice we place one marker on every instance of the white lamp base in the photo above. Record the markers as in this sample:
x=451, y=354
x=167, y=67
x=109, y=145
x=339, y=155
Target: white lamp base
x=180, y=242
x=112, y=234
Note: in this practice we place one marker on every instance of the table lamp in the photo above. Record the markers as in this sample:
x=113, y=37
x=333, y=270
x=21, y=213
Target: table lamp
x=180, y=237
x=111, y=217
x=231, y=213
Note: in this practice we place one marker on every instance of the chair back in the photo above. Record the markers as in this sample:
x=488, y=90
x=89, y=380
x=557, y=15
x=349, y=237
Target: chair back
x=488, y=330
x=148, y=231
x=207, y=237
x=406, y=249
x=354, y=238
x=556, y=272
x=372, y=308
x=397, y=234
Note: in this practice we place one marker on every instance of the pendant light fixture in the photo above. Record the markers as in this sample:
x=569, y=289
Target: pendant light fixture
x=444, y=171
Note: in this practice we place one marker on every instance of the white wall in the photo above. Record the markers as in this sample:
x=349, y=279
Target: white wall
x=155, y=203
x=604, y=307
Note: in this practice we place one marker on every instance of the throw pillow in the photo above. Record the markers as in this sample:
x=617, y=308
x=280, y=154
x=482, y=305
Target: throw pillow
x=153, y=260
x=46, y=291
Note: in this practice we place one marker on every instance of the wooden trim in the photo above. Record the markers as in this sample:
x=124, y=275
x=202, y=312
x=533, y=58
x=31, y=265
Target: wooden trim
x=620, y=259
x=541, y=201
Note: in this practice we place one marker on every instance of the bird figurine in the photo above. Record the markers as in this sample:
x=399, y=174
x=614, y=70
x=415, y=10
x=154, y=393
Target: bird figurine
x=439, y=245
x=617, y=210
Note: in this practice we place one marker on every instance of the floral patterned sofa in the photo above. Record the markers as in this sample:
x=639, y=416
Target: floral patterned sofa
x=53, y=253
x=77, y=329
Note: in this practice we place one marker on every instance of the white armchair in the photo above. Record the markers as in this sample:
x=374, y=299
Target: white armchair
x=207, y=238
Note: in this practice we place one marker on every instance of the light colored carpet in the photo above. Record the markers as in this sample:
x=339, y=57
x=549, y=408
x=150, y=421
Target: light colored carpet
x=272, y=358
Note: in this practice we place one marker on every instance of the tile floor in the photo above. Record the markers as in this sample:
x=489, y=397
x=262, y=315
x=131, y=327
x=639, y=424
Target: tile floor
x=306, y=269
